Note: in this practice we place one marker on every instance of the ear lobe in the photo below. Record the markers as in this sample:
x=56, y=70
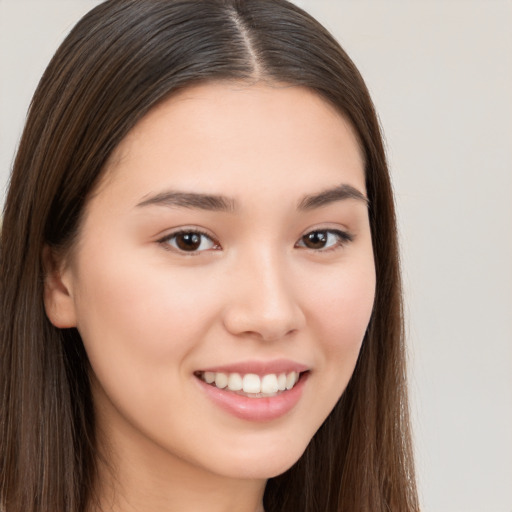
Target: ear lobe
x=58, y=299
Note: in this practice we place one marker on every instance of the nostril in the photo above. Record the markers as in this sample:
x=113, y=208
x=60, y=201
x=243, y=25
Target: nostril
x=248, y=323
x=263, y=303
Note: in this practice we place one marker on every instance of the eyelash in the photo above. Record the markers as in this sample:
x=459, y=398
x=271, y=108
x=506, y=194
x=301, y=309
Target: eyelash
x=343, y=239
x=165, y=241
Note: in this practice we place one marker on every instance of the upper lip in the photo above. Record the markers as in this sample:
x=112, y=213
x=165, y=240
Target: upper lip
x=276, y=366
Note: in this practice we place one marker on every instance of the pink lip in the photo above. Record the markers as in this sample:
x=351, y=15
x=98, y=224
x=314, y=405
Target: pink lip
x=255, y=409
x=260, y=367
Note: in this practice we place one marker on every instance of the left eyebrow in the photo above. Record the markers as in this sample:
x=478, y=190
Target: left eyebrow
x=331, y=195
x=191, y=200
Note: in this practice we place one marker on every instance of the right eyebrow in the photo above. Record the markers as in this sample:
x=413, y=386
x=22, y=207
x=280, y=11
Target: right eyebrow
x=171, y=198
x=332, y=195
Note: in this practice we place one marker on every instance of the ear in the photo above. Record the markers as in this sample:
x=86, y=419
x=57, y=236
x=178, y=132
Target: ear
x=58, y=298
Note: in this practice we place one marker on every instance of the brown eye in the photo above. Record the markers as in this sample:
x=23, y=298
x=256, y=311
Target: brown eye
x=190, y=241
x=324, y=239
x=315, y=239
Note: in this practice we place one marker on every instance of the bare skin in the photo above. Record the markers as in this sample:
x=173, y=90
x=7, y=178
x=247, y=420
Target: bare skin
x=166, y=284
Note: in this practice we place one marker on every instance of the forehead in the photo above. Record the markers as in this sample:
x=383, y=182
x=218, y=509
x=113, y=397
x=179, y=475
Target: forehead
x=227, y=131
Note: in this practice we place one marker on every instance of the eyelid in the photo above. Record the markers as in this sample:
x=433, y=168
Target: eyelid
x=344, y=238
x=164, y=240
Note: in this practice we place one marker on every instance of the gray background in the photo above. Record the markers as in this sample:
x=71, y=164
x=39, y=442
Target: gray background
x=440, y=73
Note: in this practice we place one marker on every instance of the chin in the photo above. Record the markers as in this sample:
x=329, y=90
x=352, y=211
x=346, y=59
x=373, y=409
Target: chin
x=263, y=464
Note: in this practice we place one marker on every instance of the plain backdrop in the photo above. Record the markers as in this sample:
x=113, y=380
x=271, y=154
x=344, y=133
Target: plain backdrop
x=440, y=72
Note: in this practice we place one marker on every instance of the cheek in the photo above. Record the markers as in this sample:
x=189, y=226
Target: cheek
x=342, y=311
x=139, y=327
x=347, y=315
x=145, y=319
x=343, y=305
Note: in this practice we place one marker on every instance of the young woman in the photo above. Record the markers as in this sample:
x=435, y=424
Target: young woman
x=200, y=293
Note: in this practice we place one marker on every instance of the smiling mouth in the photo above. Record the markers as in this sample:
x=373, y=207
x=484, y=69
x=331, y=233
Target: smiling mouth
x=250, y=384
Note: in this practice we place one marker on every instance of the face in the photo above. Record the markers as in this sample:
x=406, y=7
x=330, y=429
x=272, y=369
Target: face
x=223, y=279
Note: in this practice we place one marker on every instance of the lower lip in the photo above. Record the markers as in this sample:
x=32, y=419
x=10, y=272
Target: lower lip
x=256, y=409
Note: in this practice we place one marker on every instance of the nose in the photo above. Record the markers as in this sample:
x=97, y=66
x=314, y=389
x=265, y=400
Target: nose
x=263, y=301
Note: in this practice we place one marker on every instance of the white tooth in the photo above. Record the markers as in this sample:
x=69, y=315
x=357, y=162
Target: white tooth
x=209, y=377
x=269, y=384
x=290, y=380
x=281, y=382
x=297, y=377
x=221, y=380
x=235, y=382
x=251, y=383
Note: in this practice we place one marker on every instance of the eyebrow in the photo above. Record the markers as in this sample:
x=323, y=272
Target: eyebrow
x=331, y=195
x=192, y=200
x=219, y=203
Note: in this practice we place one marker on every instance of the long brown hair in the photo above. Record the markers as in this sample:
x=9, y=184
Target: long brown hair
x=120, y=60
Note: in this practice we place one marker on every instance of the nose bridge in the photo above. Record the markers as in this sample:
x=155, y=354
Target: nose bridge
x=263, y=302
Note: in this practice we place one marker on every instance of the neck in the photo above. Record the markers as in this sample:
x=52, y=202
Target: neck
x=131, y=490
x=185, y=498
x=137, y=475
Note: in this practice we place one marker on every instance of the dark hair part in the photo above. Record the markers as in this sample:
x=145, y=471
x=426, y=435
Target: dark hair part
x=120, y=60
